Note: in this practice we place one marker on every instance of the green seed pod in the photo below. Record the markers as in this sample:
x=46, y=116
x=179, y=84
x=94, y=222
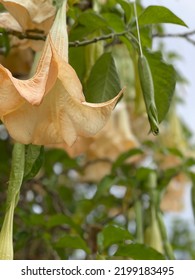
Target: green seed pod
x=152, y=234
x=147, y=86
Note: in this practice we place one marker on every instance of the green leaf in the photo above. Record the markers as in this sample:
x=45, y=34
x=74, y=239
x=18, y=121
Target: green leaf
x=58, y=155
x=72, y=241
x=103, y=83
x=139, y=252
x=114, y=22
x=104, y=185
x=143, y=173
x=113, y=234
x=34, y=156
x=159, y=14
x=77, y=61
x=35, y=220
x=146, y=36
x=92, y=20
x=4, y=42
x=126, y=6
x=190, y=162
x=164, y=78
x=176, y=152
x=166, y=176
x=88, y=22
x=124, y=156
x=2, y=9
x=60, y=219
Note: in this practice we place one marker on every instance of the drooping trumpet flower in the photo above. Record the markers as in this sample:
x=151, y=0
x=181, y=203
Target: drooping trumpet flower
x=31, y=14
x=50, y=107
x=27, y=16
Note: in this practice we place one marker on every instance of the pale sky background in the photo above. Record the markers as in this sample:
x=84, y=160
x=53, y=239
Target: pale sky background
x=185, y=9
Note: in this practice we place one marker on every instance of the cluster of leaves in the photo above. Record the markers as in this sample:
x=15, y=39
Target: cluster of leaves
x=115, y=17
x=59, y=217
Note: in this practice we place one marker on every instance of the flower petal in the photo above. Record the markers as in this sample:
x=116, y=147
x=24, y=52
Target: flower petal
x=31, y=14
x=62, y=113
x=34, y=124
x=58, y=33
x=87, y=118
x=42, y=125
x=32, y=90
x=18, y=61
x=59, y=118
x=8, y=21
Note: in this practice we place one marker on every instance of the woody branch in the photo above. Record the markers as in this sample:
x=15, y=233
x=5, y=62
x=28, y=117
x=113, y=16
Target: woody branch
x=38, y=35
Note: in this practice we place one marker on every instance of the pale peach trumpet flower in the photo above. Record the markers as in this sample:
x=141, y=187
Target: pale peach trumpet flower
x=50, y=107
x=19, y=62
x=173, y=199
x=31, y=15
x=103, y=149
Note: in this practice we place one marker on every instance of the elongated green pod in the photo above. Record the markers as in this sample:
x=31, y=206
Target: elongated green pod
x=147, y=86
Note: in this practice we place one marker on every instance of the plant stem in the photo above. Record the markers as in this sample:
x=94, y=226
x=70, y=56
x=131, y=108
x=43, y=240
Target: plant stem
x=39, y=35
x=139, y=221
x=15, y=182
x=167, y=246
x=154, y=194
x=35, y=35
x=137, y=26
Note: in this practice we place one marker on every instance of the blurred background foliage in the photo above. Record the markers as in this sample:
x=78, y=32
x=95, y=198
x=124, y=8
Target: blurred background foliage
x=105, y=197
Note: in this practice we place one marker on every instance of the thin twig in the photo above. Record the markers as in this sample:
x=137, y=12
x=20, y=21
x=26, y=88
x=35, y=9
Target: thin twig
x=25, y=35
x=35, y=36
x=38, y=35
x=96, y=39
x=185, y=35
